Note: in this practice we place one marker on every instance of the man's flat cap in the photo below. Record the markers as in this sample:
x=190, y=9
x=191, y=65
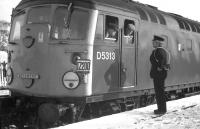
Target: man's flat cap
x=157, y=38
x=131, y=26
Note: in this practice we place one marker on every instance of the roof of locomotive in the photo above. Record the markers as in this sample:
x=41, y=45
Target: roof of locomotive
x=90, y=3
x=120, y=4
x=141, y=9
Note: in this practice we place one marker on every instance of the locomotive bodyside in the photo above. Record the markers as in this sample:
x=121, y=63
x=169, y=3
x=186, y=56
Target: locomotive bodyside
x=73, y=58
x=182, y=44
x=184, y=50
x=113, y=60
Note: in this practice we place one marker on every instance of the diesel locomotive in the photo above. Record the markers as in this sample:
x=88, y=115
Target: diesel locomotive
x=63, y=66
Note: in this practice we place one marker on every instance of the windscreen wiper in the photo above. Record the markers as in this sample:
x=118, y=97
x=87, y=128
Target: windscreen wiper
x=68, y=17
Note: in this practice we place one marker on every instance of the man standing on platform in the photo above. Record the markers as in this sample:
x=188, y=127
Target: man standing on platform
x=159, y=59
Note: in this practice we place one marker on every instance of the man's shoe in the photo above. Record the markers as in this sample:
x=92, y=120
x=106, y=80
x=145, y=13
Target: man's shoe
x=159, y=112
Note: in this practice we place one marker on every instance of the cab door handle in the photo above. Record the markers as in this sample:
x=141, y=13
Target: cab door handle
x=124, y=69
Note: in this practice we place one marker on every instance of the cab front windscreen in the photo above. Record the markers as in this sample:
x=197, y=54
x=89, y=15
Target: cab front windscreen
x=35, y=15
x=64, y=23
x=71, y=24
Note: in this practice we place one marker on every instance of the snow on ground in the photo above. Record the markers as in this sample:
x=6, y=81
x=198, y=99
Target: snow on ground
x=182, y=114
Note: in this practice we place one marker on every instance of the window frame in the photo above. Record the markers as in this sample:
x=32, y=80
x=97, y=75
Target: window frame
x=112, y=40
x=52, y=24
x=126, y=37
x=101, y=37
x=20, y=14
x=40, y=6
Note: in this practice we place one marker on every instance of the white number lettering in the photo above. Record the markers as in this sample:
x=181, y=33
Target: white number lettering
x=106, y=56
x=113, y=56
x=110, y=55
x=98, y=55
x=103, y=56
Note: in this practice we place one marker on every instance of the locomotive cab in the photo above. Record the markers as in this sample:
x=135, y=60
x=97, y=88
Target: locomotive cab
x=45, y=52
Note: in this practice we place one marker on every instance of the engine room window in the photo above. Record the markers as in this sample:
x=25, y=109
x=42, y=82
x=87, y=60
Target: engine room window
x=193, y=27
x=161, y=18
x=198, y=28
x=186, y=46
x=39, y=15
x=142, y=13
x=187, y=27
x=152, y=16
x=112, y=26
x=181, y=24
x=189, y=45
x=70, y=24
x=180, y=47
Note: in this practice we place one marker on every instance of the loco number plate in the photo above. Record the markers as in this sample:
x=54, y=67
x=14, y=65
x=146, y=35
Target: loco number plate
x=5, y=93
x=83, y=66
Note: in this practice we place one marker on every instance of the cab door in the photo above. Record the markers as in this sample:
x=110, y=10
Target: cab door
x=128, y=49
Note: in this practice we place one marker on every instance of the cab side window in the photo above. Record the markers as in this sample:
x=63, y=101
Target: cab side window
x=129, y=30
x=111, y=28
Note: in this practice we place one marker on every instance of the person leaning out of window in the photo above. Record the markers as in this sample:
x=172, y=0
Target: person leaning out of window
x=129, y=30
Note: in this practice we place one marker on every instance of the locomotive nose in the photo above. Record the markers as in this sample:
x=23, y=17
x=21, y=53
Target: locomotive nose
x=30, y=57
